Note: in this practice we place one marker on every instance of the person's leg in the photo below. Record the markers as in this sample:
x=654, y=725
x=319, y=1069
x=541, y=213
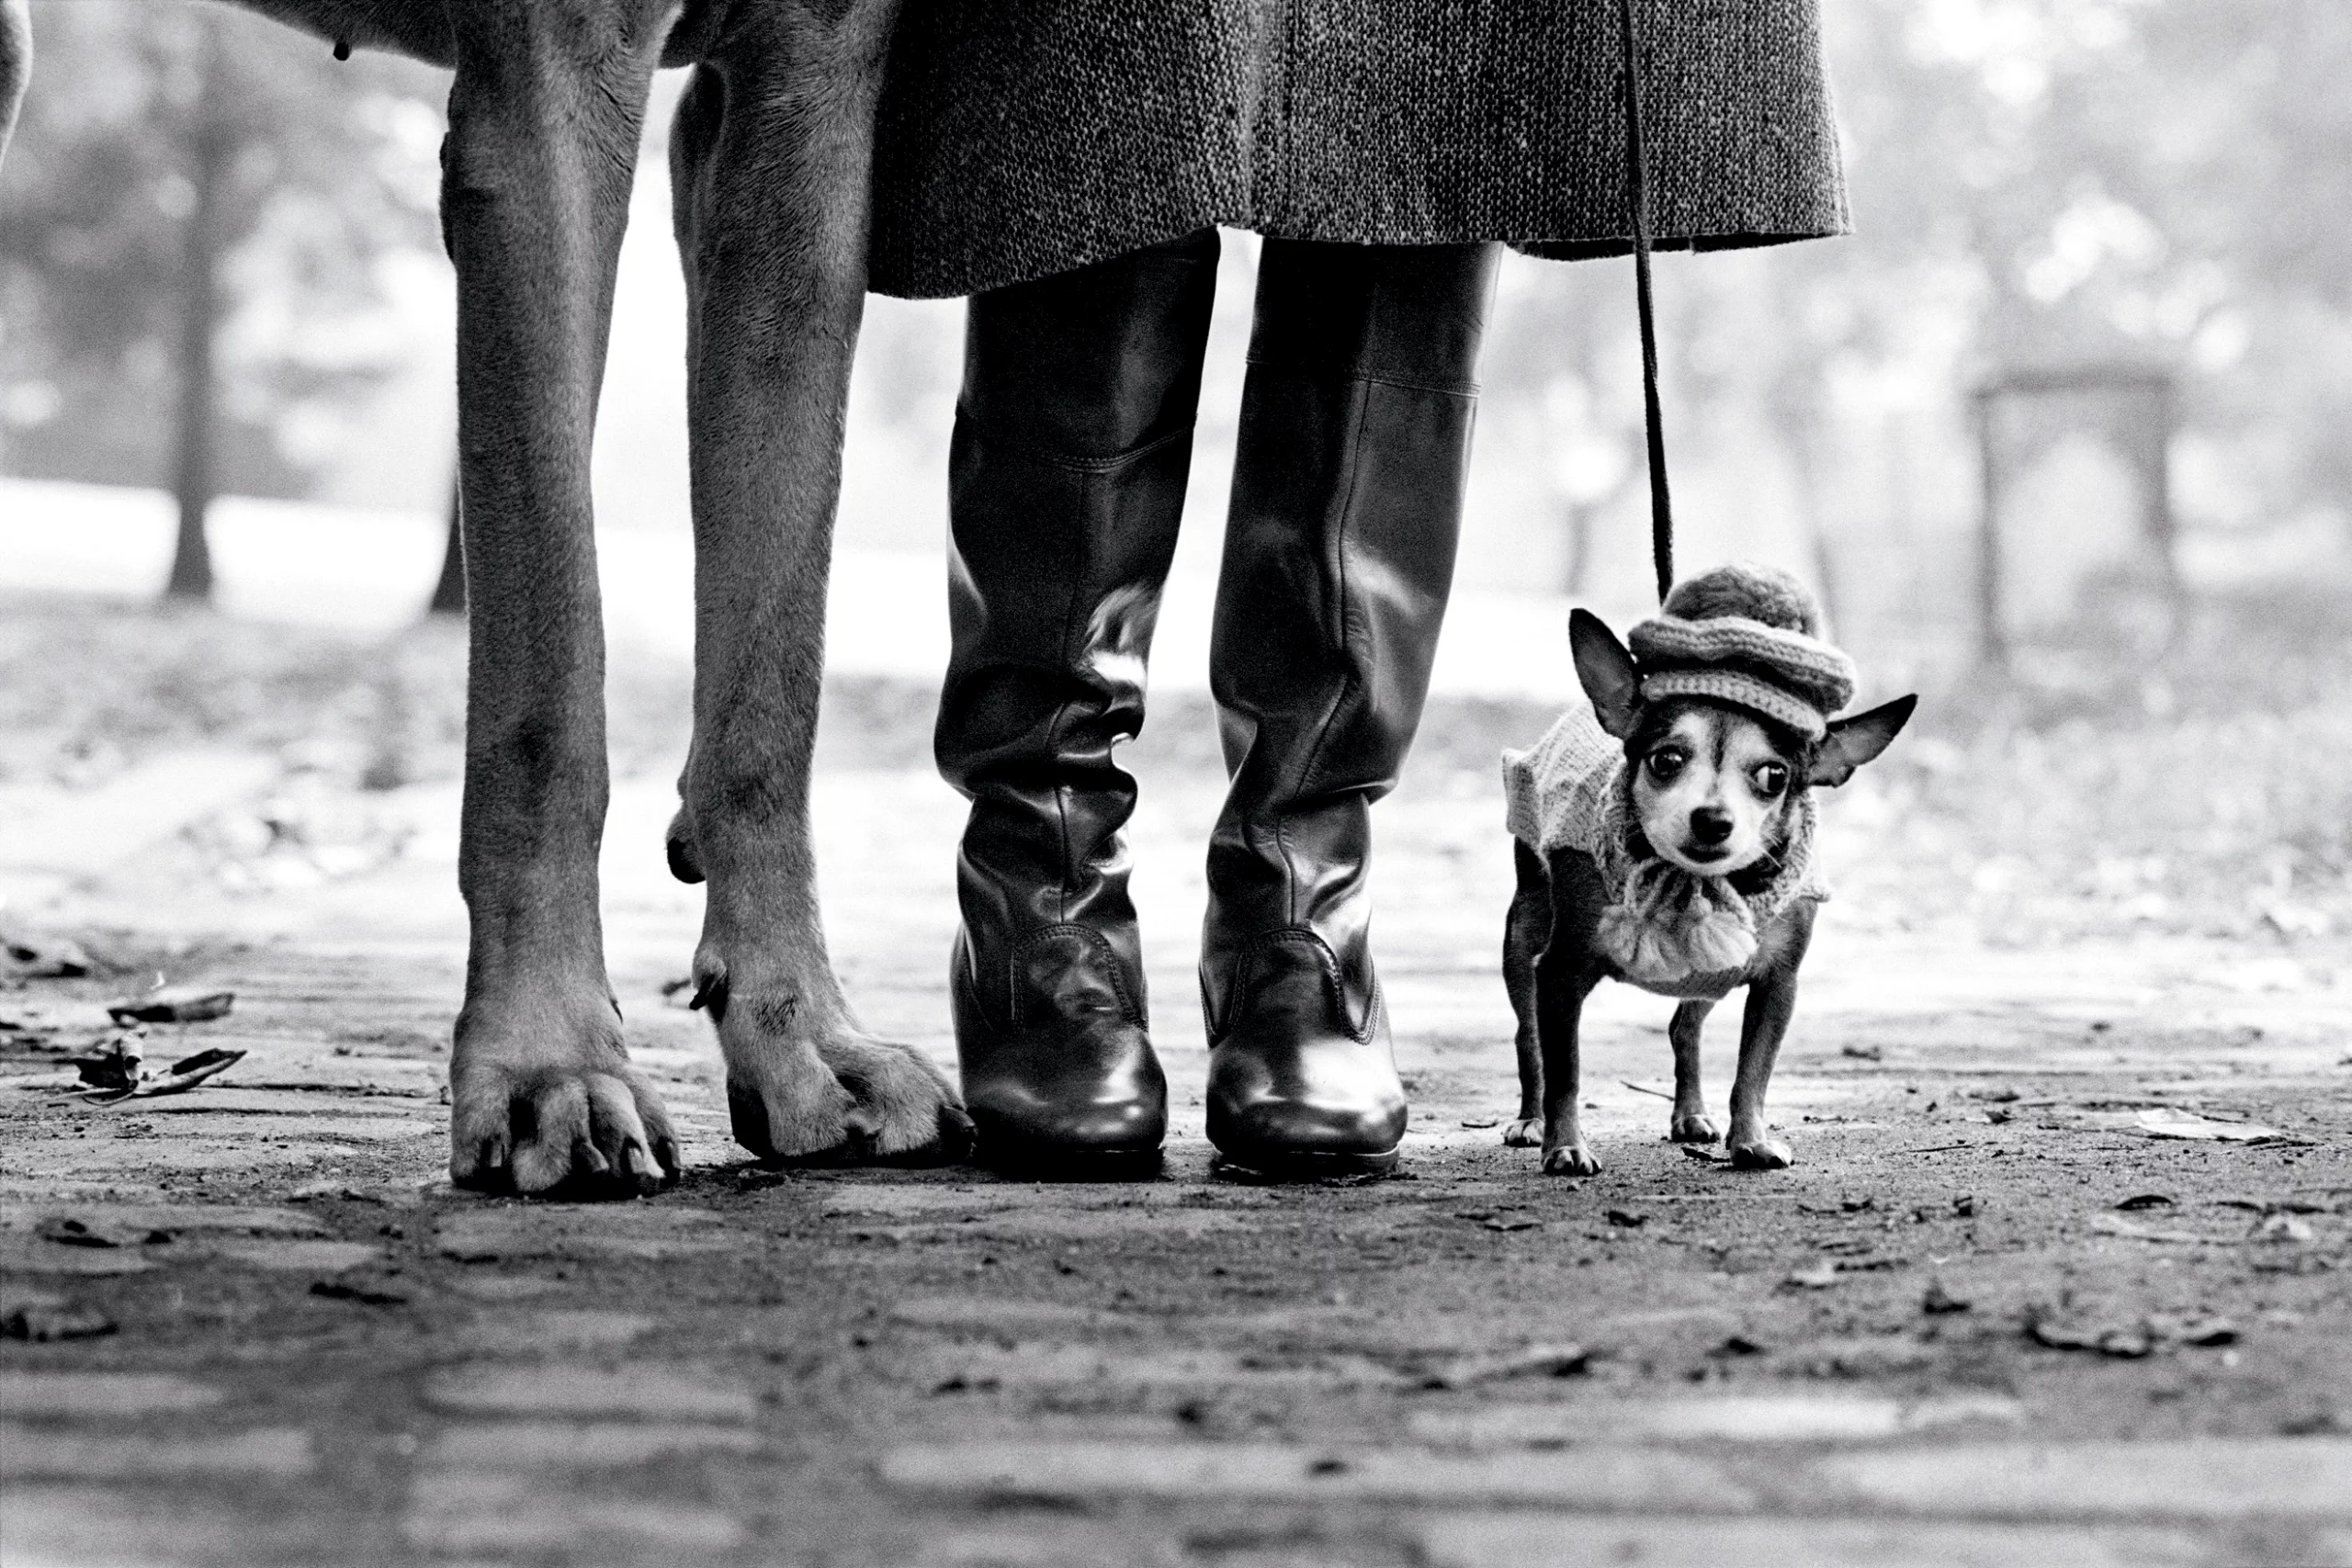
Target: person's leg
x=1073, y=439
x=1338, y=555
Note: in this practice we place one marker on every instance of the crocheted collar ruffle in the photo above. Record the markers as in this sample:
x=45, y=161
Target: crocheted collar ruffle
x=1669, y=930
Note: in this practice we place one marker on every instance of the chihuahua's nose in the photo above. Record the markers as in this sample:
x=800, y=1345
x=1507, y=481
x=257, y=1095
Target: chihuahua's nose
x=1710, y=825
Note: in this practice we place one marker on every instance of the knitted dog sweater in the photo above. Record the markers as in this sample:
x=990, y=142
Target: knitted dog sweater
x=1667, y=931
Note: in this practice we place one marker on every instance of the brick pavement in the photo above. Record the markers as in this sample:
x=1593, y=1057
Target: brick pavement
x=319, y=1354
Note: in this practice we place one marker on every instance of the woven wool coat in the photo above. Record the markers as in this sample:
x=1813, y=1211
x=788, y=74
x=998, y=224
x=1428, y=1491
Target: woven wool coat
x=1021, y=138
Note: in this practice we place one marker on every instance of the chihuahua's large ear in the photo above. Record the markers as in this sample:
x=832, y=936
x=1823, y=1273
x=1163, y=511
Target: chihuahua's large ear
x=1606, y=671
x=1853, y=741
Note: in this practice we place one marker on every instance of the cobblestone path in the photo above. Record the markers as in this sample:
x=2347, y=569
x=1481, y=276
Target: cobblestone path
x=1991, y=1316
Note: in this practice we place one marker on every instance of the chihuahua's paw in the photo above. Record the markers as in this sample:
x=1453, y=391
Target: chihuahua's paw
x=1527, y=1132
x=1691, y=1127
x=1571, y=1159
x=1761, y=1154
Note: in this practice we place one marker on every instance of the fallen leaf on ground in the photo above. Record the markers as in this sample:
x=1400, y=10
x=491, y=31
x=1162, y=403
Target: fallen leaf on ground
x=2145, y=1200
x=1936, y=1301
x=337, y=1289
x=32, y=957
x=2126, y=1343
x=1699, y=1152
x=1820, y=1277
x=1482, y=1121
x=1508, y=1223
x=314, y=1191
x=2109, y=1224
x=2132, y=1341
x=116, y=1063
x=181, y=1077
x=1536, y=1361
x=73, y=1233
x=43, y=1322
x=2168, y=1123
x=174, y=1004
x=2204, y=1330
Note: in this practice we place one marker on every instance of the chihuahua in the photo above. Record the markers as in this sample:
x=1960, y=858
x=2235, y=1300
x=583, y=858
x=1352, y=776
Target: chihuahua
x=1664, y=838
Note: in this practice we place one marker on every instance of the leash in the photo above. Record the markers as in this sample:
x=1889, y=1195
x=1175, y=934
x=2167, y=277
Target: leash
x=1652, y=420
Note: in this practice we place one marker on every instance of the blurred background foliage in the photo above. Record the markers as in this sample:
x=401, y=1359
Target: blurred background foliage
x=201, y=199
x=200, y=195
x=193, y=220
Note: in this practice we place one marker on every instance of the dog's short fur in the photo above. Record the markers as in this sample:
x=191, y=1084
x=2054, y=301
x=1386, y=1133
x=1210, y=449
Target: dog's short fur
x=771, y=159
x=1715, y=791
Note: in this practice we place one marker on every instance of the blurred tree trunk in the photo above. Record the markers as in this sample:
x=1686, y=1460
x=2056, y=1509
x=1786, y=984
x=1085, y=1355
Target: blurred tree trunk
x=211, y=149
x=1576, y=516
x=450, y=593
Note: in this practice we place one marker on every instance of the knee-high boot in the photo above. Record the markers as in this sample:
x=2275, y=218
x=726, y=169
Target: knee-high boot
x=1072, y=442
x=1338, y=555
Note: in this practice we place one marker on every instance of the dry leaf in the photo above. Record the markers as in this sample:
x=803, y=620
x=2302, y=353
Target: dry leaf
x=2168, y=1123
x=174, y=1004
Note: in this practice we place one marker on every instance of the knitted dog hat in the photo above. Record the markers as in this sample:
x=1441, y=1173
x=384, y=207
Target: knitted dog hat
x=1749, y=636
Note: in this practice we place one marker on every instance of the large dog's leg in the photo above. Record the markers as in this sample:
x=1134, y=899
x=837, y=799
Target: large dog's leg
x=16, y=63
x=770, y=158
x=544, y=120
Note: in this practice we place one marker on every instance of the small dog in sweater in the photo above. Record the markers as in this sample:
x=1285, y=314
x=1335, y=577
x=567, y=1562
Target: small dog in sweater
x=1664, y=836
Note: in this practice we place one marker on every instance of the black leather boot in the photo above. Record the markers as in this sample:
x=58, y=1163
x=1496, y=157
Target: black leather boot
x=1338, y=555
x=1072, y=442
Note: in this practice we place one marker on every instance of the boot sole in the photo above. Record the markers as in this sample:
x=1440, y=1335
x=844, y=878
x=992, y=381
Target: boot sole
x=1303, y=1165
x=1044, y=1162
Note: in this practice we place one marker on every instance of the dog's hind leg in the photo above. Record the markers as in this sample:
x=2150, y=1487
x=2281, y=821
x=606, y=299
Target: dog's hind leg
x=1565, y=976
x=770, y=162
x=544, y=118
x=1525, y=930
x=1689, y=1123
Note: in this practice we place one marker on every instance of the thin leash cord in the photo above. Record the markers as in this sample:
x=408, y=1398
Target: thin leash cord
x=1653, y=419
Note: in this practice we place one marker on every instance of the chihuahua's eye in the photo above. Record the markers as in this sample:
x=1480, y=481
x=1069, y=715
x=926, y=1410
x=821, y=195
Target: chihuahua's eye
x=1771, y=778
x=1666, y=761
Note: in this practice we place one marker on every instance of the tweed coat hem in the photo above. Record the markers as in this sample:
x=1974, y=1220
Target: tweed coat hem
x=1022, y=138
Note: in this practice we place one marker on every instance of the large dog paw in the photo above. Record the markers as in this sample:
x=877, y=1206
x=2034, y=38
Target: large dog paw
x=829, y=1092
x=1527, y=1132
x=1571, y=1159
x=535, y=1107
x=905, y=1107
x=1761, y=1153
x=1691, y=1127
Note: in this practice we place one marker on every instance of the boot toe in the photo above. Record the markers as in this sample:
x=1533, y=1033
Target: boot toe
x=1308, y=1127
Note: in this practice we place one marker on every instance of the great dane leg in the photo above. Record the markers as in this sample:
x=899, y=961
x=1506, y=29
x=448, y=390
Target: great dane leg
x=543, y=120
x=771, y=165
x=16, y=63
